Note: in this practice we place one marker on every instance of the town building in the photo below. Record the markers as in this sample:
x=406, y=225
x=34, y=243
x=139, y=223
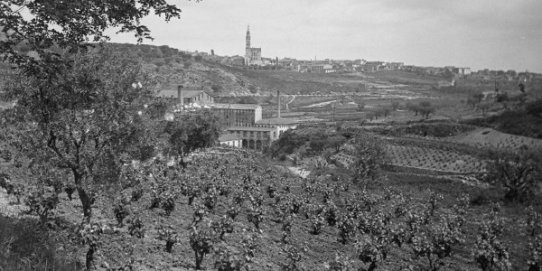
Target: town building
x=230, y=140
x=243, y=123
x=187, y=96
x=238, y=114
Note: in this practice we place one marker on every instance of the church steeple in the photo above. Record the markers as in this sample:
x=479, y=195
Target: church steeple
x=248, y=37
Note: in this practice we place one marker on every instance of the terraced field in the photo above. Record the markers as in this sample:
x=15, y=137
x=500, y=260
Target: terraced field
x=433, y=159
x=490, y=138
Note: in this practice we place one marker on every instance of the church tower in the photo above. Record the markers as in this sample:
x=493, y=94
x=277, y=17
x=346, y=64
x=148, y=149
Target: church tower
x=248, y=50
x=248, y=37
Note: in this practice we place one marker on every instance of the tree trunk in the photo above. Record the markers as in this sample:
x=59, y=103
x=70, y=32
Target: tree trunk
x=90, y=257
x=86, y=201
x=87, y=204
x=199, y=259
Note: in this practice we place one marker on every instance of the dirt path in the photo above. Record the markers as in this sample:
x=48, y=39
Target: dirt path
x=288, y=103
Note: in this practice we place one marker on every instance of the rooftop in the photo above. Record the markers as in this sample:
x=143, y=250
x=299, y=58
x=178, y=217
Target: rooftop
x=228, y=137
x=250, y=128
x=278, y=121
x=172, y=93
x=236, y=106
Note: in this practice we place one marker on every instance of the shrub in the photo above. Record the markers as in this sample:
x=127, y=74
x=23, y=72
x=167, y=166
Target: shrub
x=250, y=242
x=518, y=173
x=233, y=211
x=372, y=252
x=69, y=189
x=121, y=211
x=535, y=254
x=293, y=257
x=6, y=155
x=228, y=261
x=167, y=203
x=168, y=234
x=42, y=203
x=137, y=193
x=347, y=229
x=533, y=222
x=29, y=246
x=135, y=227
x=340, y=263
x=370, y=156
x=490, y=253
x=223, y=226
x=201, y=243
x=210, y=199
x=317, y=222
x=255, y=216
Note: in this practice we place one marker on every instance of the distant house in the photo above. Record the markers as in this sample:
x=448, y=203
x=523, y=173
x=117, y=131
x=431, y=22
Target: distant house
x=464, y=71
x=394, y=66
x=371, y=66
x=316, y=68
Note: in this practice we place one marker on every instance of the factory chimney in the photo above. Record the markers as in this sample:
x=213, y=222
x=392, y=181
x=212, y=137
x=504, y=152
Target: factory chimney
x=278, y=104
x=180, y=96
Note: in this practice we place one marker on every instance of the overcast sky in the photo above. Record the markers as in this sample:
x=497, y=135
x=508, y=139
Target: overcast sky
x=495, y=34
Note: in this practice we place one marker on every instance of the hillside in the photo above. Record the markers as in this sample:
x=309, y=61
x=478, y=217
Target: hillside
x=219, y=75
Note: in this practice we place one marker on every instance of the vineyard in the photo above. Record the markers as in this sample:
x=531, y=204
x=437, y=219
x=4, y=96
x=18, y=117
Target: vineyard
x=489, y=138
x=93, y=178
x=229, y=210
